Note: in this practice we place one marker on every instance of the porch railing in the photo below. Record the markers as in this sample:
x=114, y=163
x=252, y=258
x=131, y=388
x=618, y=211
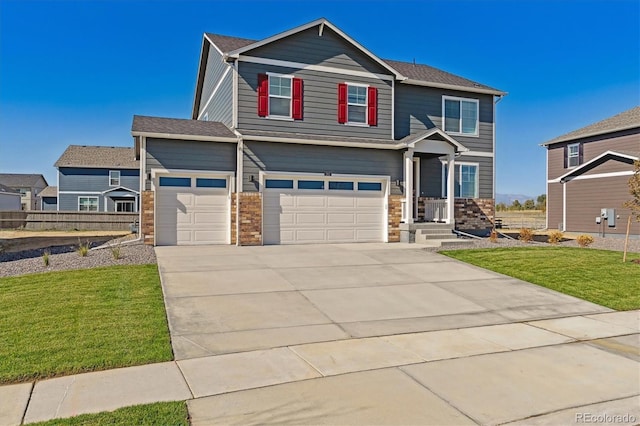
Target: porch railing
x=435, y=210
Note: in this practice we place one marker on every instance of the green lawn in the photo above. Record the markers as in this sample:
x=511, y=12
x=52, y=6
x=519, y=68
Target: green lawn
x=62, y=323
x=598, y=276
x=160, y=413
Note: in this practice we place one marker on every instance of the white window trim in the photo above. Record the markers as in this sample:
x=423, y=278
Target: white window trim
x=460, y=163
x=290, y=97
x=110, y=178
x=89, y=197
x=366, y=105
x=456, y=98
x=132, y=202
x=569, y=156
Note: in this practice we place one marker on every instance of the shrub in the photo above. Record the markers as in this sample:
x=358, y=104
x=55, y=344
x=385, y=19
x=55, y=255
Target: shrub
x=83, y=249
x=555, y=237
x=584, y=240
x=45, y=257
x=526, y=235
x=115, y=251
x=493, y=237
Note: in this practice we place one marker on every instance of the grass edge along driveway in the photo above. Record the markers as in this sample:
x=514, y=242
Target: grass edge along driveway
x=70, y=322
x=598, y=276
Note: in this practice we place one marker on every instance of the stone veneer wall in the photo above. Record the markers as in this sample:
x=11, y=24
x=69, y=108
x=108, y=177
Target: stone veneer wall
x=250, y=218
x=234, y=216
x=474, y=213
x=147, y=226
x=395, y=216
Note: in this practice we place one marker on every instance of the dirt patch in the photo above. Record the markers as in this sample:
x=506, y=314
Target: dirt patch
x=17, y=241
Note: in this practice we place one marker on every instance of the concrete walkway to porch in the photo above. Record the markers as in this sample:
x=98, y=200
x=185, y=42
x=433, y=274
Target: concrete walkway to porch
x=361, y=334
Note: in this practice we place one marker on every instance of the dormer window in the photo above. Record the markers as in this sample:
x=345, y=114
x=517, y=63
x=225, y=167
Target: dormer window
x=460, y=115
x=114, y=178
x=279, y=96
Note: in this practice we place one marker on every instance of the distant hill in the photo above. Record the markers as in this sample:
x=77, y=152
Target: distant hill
x=508, y=199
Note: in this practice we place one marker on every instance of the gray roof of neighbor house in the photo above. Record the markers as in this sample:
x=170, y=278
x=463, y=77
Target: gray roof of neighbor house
x=20, y=180
x=7, y=190
x=159, y=127
x=414, y=72
x=98, y=157
x=623, y=121
x=49, y=191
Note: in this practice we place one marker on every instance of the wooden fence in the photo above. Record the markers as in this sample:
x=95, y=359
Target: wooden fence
x=67, y=221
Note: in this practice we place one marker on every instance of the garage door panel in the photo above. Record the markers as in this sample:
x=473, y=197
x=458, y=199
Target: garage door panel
x=341, y=218
x=368, y=201
x=368, y=218
x=213, y=218
x=368, y=235
x=341, y=235
x=341, y=201
x=308, y=218
x=309, y=235
x=310, y=201
x=206, y=236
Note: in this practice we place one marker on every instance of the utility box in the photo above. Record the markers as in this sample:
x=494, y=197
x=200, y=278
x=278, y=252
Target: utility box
x=611, y=218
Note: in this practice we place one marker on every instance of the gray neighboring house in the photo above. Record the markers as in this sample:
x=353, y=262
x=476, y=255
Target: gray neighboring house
x=49, y=198
x=588, y=170
x=308, y=137
x=9, y=199
x=28, y=185
x=98, y=178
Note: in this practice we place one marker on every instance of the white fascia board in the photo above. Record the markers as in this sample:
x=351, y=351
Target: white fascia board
x=323, y=142
x=593, y=160
x=322, y=21
x=454, y=87
x=587, y=135
x=600, y=176
x=478, y=154
x=304, y=66
x=444, y=135
x=119, y=188
x=185, y=137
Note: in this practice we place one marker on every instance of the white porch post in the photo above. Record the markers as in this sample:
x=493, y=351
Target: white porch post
x=451, y=171
x=408, y=185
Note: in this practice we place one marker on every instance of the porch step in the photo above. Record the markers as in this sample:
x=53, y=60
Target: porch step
x=446, y=243
x=432, y=225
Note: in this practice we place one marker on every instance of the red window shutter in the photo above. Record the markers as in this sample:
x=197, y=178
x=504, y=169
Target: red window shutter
x=297, y=99
x=372, y=108
x=566, y=156
x=580, y=154
x=342, y=103
x=263, y=95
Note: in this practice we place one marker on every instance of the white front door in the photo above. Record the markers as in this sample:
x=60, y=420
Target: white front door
x=317, y=209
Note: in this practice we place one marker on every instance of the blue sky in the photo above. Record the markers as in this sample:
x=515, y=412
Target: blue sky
x=75, y=72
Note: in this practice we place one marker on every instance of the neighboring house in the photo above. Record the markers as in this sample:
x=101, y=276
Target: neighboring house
x=9, y=199
x=308, y=137
x=98, y=178
x=588, y=171
x=28, y=185
x=49, y=198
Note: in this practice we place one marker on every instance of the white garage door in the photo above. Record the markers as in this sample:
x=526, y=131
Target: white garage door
x=323, y=210
x=192, y=210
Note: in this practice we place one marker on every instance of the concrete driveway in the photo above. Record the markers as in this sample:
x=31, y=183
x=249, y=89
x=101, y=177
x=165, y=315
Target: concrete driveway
x=386, y=334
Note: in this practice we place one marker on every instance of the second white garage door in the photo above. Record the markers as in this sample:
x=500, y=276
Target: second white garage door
x=192, y=210
x=314, y=210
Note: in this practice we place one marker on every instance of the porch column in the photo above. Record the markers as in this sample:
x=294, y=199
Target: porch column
x=451, y=172
x=408, y=186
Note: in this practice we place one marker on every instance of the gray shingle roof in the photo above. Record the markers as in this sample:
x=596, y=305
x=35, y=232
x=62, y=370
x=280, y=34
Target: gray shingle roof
x=6, y=189
x=49, y=191
x=20, y=180
x=180, y=126
x=419, y=72
x=625, y=120
x=98, y=157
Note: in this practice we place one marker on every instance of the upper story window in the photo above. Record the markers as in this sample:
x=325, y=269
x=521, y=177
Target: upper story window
x=572, y=155
x=279, y=96
x=114, y=178
x=357, y=104
x=460, y=115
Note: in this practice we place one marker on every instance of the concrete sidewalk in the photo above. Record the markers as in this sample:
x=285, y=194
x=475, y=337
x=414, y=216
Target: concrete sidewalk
x=537, y=372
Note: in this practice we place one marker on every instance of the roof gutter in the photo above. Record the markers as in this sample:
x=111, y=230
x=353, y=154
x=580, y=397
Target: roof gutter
x=588, y=135
x=453, y=87
x=185, y=137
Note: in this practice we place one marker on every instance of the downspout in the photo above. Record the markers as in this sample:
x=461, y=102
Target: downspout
x=495, y=102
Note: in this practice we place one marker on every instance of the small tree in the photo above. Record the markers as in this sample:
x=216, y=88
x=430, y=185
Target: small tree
x=529, y=205
x=501, y=207
x=541, y=202
x=634, y=190
x=516, y=205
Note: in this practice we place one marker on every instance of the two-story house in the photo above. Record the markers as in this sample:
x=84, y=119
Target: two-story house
x=28, y=185
x=98, y=179
x=588, y=171
x=309, y=137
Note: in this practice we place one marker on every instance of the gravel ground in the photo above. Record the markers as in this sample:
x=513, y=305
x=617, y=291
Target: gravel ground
x=66, y=258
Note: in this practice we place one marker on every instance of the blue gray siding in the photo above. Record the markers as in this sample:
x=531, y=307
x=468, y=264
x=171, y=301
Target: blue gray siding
x=221, y=106
x=266, y=156
x=189, y=155
x=419, y=108
x=49, y=203
x=309, y=47
x=320, y=103
x=94, y=180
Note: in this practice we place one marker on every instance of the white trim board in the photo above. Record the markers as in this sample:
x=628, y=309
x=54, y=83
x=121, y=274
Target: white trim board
x=185, y=137
x=304, y=66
